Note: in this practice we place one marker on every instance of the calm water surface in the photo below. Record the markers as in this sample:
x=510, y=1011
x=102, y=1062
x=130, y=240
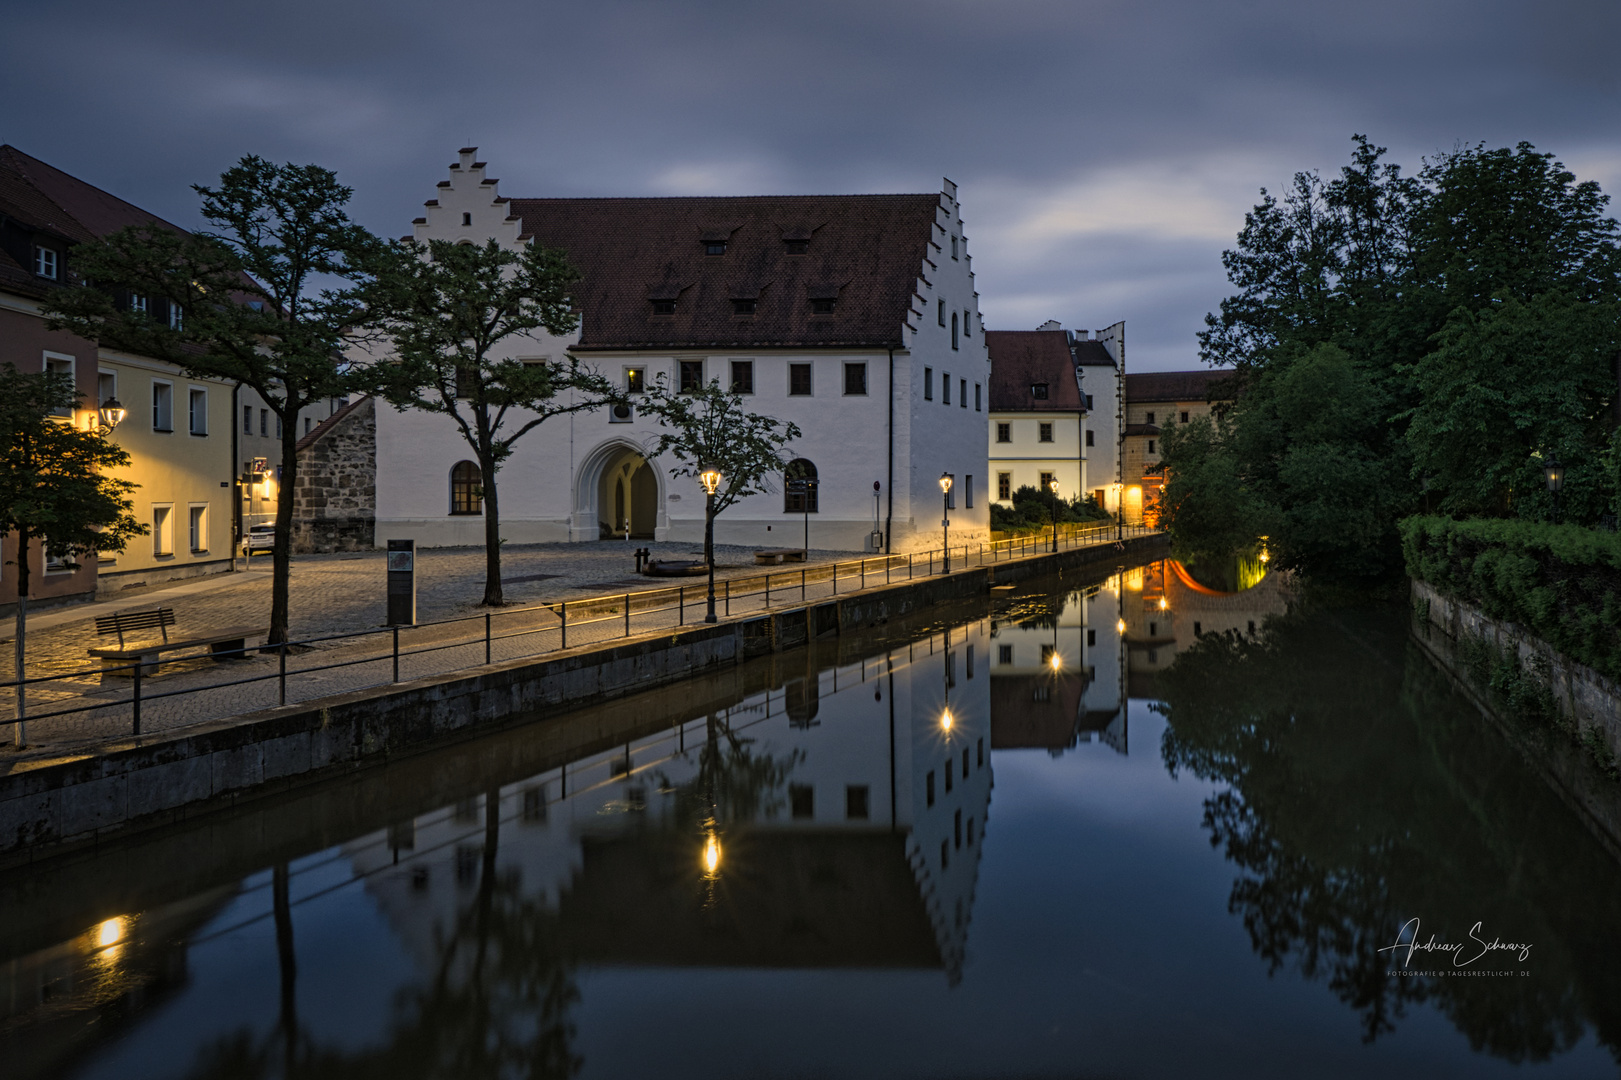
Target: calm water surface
x=1174, y=850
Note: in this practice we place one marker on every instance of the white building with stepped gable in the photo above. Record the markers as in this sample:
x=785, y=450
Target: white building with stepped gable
x=853, y=316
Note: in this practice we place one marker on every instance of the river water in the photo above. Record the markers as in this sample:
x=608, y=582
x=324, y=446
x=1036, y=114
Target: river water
x=1120, y=827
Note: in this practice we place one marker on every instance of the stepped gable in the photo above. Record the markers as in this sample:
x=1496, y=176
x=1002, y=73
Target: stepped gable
x=1020, y=358
x=865, y=252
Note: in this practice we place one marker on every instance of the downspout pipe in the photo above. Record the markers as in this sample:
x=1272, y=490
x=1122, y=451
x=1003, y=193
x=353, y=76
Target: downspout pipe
x=889, y=513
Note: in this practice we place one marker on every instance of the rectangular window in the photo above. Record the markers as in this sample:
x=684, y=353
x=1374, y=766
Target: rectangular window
x=1004, y=654
x=948, y=776
x=692, y=376
x=177, y=317
x=45, y=262
x=1038, y=391
x=965, y=324
x=309, y=422
x=968, y=492
x=742, y=376
x=1150, y=419
x=714, y=247
x=857, y=798
x=1150, y=446
x=962, y=393
x=635, y=380
x=247, y=419
x=1089, y=434
x=197, y=411
x=1184, y=416
x=802, y=800
x=976, y=398
x=57, y=364
x=956, y=829
x=197, y=531
x=970, y=662
x=1091, y=637
x=855, y=379
x=162, y=530
x=1046, y=433
x=965, y=763
x=799, y=380
x=137, y=302
x=945, y=388
x=1046, y=483
x=928, y=788
x=1004, y=486
x=979, y=753
x=743, y=307
x=1004, y=432
x=264, y=422
x=664, y=307
x=942, y=313
x=823, y=306
x=162, y=406
x=953, y=247
x=106, y=387
x=928, y=384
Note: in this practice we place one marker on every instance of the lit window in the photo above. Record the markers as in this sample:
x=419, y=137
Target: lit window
x=1004, y=432
x=1046, y=433
x=466, y=489
x=635, y=380
x=45, y=262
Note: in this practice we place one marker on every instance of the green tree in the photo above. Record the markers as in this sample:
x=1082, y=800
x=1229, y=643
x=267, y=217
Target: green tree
x=1206, y=506
x=54, y=490
x=254, y=311
x=708, y=428
x=450, y=310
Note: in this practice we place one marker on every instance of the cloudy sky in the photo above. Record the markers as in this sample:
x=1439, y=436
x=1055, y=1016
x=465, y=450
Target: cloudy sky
x=1106, y=150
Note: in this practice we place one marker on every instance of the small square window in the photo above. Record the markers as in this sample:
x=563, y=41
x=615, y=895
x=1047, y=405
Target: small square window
x=857, y=799
x=45, y=262
x=823, y=306
x=1150, y=419
x=1004, y=486
x=1089, y=440
x=1004, y=432
x=855, y=379
x=742, y=376
x=467, y=219
x=802, y=800
x=796, y=247
x=692, y=376
x=799, y=380
x=1184, y=416
x=714, y=247
x=1038, y=391
x=664, y=307
x=743, y=307
x=1046, y=433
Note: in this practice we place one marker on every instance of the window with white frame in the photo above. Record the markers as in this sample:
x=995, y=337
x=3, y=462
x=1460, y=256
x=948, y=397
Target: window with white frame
x=1004, y=486
x=197, y=411
x=62, y=365
x=162, y=406
x=742, y=376
x=177, y=316
x=162, y=529
x=855, y=379
x=138, y=302
x=197, y=528
x=106, y=386
x=45, y=262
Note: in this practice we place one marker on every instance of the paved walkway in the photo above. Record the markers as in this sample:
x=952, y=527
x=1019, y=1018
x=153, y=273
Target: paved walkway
x=545, y=586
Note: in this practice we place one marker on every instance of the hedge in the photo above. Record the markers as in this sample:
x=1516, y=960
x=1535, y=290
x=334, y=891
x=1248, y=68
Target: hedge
x=1560, y=582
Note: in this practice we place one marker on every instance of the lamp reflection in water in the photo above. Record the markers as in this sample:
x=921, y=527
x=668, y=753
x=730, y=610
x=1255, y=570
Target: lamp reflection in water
x=110, y=932
x=711, y=854
x=945, y=720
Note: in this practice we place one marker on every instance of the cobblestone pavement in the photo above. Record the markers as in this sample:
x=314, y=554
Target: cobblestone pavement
x=343, y=595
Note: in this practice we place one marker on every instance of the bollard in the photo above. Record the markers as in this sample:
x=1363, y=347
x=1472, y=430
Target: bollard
x=562, y=609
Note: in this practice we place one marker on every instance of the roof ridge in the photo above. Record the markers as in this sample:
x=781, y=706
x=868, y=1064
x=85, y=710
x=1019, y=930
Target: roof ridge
x=70, y=178
x=695, y=198
x=320, y=430
x=15, y=159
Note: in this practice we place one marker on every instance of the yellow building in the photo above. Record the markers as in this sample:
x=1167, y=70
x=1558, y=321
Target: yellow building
x=1154, y=401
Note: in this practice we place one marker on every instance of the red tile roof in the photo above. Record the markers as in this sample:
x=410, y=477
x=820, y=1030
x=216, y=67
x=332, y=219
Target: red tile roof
x=865, y=250
x=1022, y=358
x=1175, y=385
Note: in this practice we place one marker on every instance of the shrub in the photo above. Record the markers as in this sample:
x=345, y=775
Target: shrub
x=1560, y=582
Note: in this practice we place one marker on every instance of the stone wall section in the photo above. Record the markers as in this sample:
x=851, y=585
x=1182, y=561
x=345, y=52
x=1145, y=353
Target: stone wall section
x=336, y=491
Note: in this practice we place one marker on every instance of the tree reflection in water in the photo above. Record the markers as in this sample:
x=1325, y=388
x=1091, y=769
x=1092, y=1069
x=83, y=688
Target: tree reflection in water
x=1361, y=792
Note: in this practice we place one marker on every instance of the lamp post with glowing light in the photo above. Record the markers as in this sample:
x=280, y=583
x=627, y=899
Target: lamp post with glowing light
x=1052, y=485
x=710, y=479
x=1554, y=473
x=945, y=519
x=112, y=414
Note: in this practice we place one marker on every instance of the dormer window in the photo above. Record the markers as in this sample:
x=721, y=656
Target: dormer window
x=1038, y=391
x=45, y=262
x=664, y=307
x=743, y=307
x=823, y=306
x=714, y=247
x=796, y=247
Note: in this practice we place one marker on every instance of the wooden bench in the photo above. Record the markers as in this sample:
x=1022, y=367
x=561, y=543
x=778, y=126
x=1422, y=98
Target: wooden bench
x=228, y=644
x=773, y=556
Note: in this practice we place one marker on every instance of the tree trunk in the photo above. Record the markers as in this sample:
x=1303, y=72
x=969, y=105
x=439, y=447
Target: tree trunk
x=281, y=555
x=19, y=730
x=492, y=532
x=287, y=961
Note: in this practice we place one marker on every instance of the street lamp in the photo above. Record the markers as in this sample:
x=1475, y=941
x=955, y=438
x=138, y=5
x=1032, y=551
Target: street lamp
x=710, y=479
x=1554, y=472
x=1053, y=486
x=945, y=520
x=112, y=413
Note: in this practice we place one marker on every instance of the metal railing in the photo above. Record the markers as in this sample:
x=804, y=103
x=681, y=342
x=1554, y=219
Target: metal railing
x=126, y=703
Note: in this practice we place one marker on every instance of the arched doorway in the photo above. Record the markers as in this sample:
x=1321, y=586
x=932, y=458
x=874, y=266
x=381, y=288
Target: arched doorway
x=616, y=485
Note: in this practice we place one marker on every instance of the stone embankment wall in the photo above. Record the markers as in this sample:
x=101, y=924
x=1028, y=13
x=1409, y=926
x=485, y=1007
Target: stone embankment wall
x=150, y=781
x=337, y=482
x=1588, y=701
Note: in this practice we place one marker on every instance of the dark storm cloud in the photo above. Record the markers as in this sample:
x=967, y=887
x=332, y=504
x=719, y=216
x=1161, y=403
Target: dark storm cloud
x=1106, y=151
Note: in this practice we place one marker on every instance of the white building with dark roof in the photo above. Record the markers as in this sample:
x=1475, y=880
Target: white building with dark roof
x=853, y=316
